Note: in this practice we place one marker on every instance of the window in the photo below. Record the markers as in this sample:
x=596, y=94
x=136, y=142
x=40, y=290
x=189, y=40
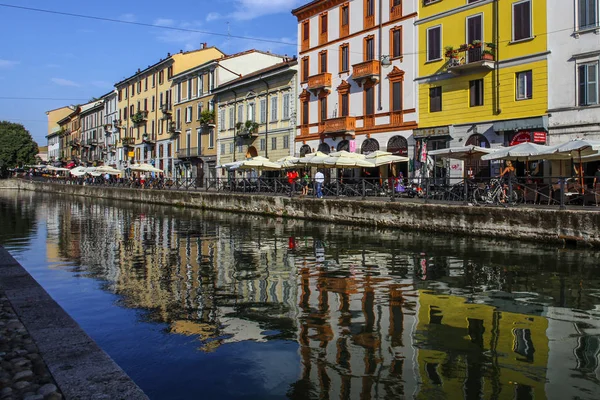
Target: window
x=587, y=14
x=322, y=109
x=396, y=42
x=179, y=92
x=274, y=143
x=251, y=115
x=476, y=93
x=323, y=62
x=132, y=109
x=521, y=15
x=120, y=94
x=200, y=85
x=139, y=87
x=286, y=142
x=305, y=31
x=222, y=119
x=263, y=144
x=286, y=106
x=435, y=99
x=397, y=96
x=369, y=100
x=178, y=118
x=188, y=114
x=305, y=69
x=370, y=8
x=344, y=105
x=263, y=111
x=161, y=77
x=189, y=89
x=304, y=113
x=211, y=139
x=274, y=104
x=170, y=72
x=199, y=110
x=524, y=85
x=323, y=23
x=474, y=28
x=146, y=104
x=222, y=148
x=344, y=20
x=231, y=147
x=153, y=103
x=344, y=58
x=231, y=117
x=240, y=113
x=369, y=48
x=146, y=84
x=434, y=43
x=588, y=84
x=154, y=80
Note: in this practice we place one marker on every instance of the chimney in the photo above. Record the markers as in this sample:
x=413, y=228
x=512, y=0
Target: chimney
x=180, y=51
x=168, y=55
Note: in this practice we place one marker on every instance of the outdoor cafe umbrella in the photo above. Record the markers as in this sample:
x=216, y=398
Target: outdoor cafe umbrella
x=78, y=171
x=520, y=152
x=259, y=162
x=378, y=158
x=316, y=159
x=288, y=161
x=344, y=161
x=145, y=168
x=108, y=170
x=462, y=152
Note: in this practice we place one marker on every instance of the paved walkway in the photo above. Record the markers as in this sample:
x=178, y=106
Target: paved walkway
x=44, y=354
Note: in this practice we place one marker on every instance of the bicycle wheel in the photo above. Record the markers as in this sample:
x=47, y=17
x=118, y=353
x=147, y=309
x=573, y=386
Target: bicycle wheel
x=477, y=196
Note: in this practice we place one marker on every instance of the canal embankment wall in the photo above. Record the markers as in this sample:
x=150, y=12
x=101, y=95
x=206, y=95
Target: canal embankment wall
x=511, y=223
x=80, y=368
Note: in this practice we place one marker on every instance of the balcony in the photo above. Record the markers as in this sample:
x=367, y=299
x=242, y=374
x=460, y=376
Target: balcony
x=165, y=108
x=174, y=128
x=469, y=59
x=189, y=153
x=319, y=82
x=139, y=117
x=74, y=143
x=339, y=126
x=128, y=141
x=247, y=130
x=148, y=139
x=366, y=70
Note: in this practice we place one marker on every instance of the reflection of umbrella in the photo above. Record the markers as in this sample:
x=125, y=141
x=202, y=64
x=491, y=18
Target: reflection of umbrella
x=288, y=162
x=378, y=158
x=521, y=152
x=462, y=153
x=259, y=162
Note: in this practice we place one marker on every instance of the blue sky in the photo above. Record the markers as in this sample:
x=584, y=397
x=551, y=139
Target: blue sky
x=55, y=56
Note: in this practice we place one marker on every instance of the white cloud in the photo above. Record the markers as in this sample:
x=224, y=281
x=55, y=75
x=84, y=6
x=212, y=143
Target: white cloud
x=129, y=17
x=213, y=16
x=250, y=9
x=64, y=82
x=164, y=22
x=8, y=63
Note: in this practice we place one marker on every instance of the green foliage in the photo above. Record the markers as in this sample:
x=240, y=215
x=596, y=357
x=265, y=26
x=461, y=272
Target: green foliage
x=17, y=147
x=207, y=117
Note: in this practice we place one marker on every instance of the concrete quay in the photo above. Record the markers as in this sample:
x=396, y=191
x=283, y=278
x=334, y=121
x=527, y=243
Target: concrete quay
x=44, y=354
x=515, y=223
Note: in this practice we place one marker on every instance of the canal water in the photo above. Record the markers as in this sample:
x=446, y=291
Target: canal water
x=196, y=304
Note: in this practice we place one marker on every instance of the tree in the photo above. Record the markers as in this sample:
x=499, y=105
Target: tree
x=17, y=147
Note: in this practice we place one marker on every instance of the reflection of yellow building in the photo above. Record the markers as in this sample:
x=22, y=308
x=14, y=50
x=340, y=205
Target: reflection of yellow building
x=478, y=350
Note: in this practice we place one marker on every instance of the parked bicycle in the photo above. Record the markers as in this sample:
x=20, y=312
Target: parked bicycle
x=494, y=192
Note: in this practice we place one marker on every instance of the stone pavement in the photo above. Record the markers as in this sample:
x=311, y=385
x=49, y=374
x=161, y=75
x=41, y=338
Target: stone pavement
x=44, y=353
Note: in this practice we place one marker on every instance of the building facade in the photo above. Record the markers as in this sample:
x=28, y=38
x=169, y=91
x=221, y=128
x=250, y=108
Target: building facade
x=256, y=114
x=357, y=63
x=54, y=134
x=111, y=131
x=483, y=76
x=148, y=134
x=70, y=137
x=574, y=92
x=92, y=133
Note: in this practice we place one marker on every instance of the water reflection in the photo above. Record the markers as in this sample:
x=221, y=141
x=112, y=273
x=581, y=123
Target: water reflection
x=374, y=314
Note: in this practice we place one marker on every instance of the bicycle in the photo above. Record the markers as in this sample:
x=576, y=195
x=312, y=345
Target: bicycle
x=493, y=193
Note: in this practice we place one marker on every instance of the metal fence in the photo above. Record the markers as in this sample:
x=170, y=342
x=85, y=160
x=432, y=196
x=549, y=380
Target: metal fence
x=548, y=191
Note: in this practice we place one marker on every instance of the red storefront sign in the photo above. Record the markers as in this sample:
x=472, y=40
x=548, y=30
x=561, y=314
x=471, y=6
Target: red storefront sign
x=521, y=137
x=539, y=137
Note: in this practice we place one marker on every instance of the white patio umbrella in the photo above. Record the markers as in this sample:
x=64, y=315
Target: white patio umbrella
x=314, y=159
x=259, y=162
x=574, y=148
x=78, y=171
x=379, y=158
x=520, y=152
x=345, y=161
x=462, y=152
x=288, y=162
x=108, y=170
x=145, y=168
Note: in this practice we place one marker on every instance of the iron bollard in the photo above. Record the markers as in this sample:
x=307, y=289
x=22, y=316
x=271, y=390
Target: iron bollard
x=562, y=194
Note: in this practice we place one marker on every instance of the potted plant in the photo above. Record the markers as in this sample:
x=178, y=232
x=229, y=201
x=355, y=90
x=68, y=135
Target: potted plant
x=476, y=43
x=487, y=55
x=238, y=126
x=449, y=51
x=207, y=117
x=463, y=47
x=251, y=126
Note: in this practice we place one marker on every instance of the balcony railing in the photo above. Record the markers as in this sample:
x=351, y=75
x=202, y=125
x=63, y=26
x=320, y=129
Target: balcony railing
x=128, y=141
x=366, y=70
x=139, y=117
x=339, y=125
x=469, y=58
x=188, y=153
x=320, y=81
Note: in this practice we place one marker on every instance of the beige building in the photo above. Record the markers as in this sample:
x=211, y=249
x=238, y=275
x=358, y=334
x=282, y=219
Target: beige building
x=147, y=133
x=256, y=114
x=54, y=136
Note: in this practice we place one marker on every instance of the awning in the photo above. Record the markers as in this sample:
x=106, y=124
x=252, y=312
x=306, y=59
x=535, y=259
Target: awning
x=522, y=124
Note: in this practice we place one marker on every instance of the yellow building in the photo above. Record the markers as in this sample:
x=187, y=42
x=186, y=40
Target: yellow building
x=147, y=132
x=482, y=74
x=70, y=137
x=54, y=134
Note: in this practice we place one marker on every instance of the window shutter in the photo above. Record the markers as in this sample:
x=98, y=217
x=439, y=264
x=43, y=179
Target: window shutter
x=263, y=111
x=286, y=106
x=274, y=101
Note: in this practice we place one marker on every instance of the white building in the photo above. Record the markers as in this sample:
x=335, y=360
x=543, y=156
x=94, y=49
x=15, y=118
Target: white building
x=92, y=132
x=357, y=68
x=111, y=130
x=573, y=88
x=54, y=145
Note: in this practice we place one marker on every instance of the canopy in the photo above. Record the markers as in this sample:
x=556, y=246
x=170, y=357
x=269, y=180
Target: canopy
x=231, y=165
x=78, y=171
x=378, y=158
x=573, y=148
x=314, y=159
x=347, y=162
x=520, y=152
x=145, y=168
x=288, y=162
x=259, y=162
x=462, y=153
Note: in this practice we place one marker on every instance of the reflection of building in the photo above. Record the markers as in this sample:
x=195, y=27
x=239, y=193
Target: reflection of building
x=356, y=83
x=482, y=74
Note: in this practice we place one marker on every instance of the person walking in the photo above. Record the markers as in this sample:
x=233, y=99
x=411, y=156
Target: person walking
x=319, y=179
x=292, y=176
x=305, y=183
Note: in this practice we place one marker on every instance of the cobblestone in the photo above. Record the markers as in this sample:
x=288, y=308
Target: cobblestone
x=23, y=374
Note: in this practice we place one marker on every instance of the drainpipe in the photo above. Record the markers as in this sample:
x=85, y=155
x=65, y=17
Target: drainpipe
x=380, y=107
x=235, y=107
x=266, y=118
x=496, y=52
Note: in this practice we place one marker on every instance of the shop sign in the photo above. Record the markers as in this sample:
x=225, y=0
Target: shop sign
x=131, y=154
x=430, y=132
x=352, y=146
x=521, y=137
x=539, y=137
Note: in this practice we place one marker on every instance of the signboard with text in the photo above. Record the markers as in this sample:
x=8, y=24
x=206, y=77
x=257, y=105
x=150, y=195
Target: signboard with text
x=539, y=137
